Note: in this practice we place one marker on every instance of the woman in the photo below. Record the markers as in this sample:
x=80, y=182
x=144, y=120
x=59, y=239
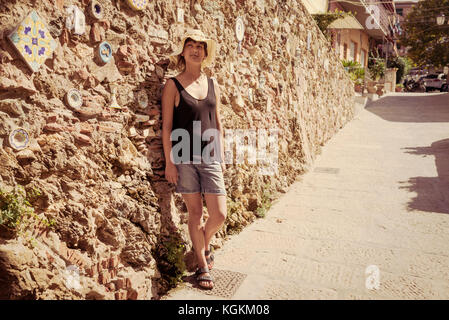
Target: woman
x=188, y=98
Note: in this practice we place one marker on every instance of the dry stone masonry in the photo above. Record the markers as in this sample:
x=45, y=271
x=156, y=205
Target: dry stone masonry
x=90, y=116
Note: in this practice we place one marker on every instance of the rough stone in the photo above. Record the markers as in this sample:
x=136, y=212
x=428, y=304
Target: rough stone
x=108, y=193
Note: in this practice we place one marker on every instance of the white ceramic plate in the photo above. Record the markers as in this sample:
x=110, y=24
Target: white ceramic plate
x=19, y=139
x=239, y=29
x=74, y=98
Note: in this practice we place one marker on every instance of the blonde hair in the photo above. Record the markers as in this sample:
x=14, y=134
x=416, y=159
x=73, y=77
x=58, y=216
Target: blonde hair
x=181, y=64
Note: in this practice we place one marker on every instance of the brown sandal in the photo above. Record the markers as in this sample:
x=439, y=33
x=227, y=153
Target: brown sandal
x=203, y=278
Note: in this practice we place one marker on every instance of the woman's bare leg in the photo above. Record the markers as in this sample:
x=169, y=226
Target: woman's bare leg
x=216, y=206
x=195, y=207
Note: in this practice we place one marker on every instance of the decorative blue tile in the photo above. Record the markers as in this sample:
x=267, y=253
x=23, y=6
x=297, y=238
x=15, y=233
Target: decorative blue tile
x=33, y=41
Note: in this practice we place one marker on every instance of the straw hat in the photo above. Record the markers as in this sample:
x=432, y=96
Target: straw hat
x=199, y=36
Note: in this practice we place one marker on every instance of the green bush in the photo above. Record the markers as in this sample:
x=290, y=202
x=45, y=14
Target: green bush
x=16, y=212
x=169, y=254
x=403, y=64
x=175, y=256
x=14, y=207
x=266, y=199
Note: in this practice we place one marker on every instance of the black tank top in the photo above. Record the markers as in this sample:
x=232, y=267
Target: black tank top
x=190, y=110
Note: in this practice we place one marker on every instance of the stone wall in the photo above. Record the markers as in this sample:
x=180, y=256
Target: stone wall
x=119, y=225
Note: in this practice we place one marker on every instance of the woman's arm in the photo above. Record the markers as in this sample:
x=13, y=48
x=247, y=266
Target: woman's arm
x=168, y=104
x=218, y=120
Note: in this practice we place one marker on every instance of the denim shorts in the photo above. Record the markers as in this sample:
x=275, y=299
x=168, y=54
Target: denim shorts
x=202, y=177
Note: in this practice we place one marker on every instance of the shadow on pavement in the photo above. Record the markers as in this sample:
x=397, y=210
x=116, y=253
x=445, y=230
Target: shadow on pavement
x=412, y=107
x=432, y=192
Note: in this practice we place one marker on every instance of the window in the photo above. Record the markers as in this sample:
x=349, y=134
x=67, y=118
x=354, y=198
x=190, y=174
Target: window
x=400, y=11
x=352, y=51
x=345, y=51
x=338, y=42
x=362, y=57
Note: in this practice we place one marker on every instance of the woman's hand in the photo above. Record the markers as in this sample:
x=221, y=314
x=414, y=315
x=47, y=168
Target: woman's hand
x=171, y=173
x=223, y=167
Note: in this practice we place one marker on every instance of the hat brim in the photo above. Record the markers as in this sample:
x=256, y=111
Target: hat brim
x=211, y=48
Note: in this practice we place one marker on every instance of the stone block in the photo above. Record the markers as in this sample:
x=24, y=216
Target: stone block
x=132, y=295
x=86, y=128
x=52, y=118
x=82, y=138
x=107, y=129
x=120, y=283
x=104, y=277
x=53, y=127
x=121, y=295
x=113, y=262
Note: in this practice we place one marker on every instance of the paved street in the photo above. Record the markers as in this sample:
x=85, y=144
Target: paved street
x=370, y=220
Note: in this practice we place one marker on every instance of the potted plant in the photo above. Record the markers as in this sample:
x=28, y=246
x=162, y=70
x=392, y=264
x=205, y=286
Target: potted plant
x=358, y=86
x=355, y=72
x=399, y=87
x=376, y=66
x=380, y=89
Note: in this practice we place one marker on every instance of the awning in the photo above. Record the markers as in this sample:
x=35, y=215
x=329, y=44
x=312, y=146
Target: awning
x=348, y=22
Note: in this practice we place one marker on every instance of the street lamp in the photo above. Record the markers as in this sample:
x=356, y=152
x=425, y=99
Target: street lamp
x=440, y=19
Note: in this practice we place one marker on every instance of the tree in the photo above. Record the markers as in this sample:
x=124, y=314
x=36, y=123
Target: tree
x=403, y=64
x=428, y=42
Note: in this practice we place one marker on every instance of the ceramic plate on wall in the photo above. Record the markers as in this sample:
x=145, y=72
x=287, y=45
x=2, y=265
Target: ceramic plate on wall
x=250, y=95
x=76, y=20
x=137, y=4
x=105, y=51
x=180, y=15
x=309, y=40
x=79, y=22
x=220, y=21
x=96, y=10
x=74, y=98
x=239, y=29
x=142, y=99
x=33, y=41
x=276, y=22
x=19, y=139
x=261, y=81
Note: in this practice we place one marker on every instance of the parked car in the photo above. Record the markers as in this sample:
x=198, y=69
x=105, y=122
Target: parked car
x=435, y=82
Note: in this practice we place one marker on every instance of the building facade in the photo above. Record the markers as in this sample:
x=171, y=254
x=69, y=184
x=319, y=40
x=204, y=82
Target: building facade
x=373, y=33
x=354, y=37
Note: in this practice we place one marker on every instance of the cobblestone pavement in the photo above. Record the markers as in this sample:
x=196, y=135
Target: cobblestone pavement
x=370, y=220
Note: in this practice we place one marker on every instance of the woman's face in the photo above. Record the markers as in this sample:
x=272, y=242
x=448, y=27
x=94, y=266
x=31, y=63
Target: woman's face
x=194, y=51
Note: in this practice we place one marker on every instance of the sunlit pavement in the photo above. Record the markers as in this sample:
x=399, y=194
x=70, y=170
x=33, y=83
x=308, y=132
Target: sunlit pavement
x=370, y=220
